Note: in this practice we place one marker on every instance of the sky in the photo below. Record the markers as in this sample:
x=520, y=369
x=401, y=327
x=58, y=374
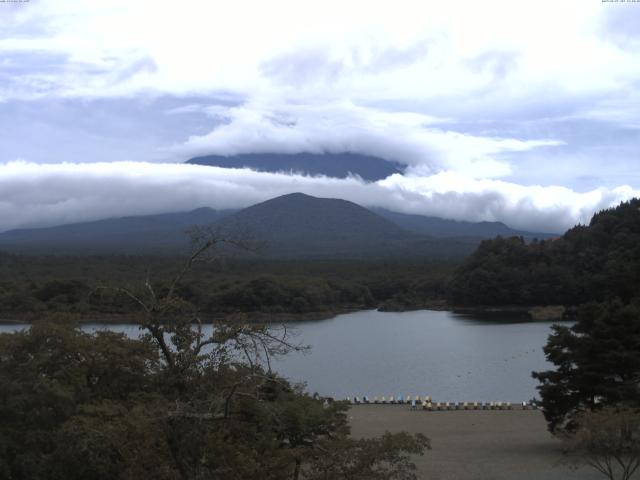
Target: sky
x=522, y=112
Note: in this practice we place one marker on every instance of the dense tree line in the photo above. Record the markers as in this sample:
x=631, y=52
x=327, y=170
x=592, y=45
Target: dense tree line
x=594, y=262
x=597, y=364
x=592, y=395
x=32, y=287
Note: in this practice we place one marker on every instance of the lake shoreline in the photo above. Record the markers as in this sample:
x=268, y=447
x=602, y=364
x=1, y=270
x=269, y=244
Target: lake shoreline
x=530, y=313
x=129, y=319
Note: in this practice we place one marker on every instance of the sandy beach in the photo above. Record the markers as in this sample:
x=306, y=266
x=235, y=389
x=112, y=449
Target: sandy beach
x=476, y=444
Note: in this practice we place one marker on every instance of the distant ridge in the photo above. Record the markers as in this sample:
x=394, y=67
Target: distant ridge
x=339, y=165
x=136, y=234
x=445, y=228
x=293, y=226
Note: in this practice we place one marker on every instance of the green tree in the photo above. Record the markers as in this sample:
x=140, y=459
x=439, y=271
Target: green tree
x=178, y=403
x=597, y=364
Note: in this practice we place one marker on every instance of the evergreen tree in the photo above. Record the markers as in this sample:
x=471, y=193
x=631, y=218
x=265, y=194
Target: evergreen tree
x=597, y=363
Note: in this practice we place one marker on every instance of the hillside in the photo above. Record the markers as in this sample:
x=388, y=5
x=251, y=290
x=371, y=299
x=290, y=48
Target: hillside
x=445, y=228
x=298, y=224
x=588, y=263
x=147, y=233
x=339, y=165
x=291, y=226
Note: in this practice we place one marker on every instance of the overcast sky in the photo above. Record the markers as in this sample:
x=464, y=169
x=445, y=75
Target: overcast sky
x=522, y=112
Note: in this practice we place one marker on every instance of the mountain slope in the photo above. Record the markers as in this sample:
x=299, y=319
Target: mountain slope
x=139, y=234
x=297, y=224
x=445, y=228
x=338, y=165
x=292, y=226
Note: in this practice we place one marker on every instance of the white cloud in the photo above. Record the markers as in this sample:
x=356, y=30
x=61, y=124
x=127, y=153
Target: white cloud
x=359, y=50
x=405, y=137
x=397, y=80
x=34, y=194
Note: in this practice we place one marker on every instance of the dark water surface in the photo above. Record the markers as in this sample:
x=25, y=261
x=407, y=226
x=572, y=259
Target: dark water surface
x=450, y=356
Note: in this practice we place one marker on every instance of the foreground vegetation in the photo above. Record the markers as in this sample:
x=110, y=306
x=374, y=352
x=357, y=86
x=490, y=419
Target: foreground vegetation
x=597, y=364
x=78, y=406
x=174, y=404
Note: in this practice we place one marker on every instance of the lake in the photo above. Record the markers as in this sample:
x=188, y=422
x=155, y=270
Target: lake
x=450, y=356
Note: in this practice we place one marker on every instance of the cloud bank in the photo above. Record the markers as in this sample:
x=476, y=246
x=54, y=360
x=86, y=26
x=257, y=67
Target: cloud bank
x=405, y=137
x=41, y=195
x=494, y=120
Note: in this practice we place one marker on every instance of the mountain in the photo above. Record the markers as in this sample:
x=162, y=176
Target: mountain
x=444, y=228
x=299, y=224
x=338, y=165
x=146, y=233
x=292, y=226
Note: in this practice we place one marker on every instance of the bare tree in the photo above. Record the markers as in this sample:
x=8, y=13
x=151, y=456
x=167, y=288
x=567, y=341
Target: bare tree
x=609, y=441
x=176, y=328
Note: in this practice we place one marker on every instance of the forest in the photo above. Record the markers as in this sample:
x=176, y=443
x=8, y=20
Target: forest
x=588, y=263
x=34, y=287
